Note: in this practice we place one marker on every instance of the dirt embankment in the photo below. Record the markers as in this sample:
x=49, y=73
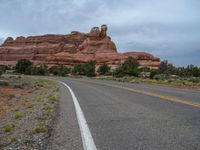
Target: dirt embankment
x=27, y=111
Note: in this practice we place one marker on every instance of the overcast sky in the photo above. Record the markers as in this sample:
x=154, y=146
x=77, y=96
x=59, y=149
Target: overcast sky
x=169, y=29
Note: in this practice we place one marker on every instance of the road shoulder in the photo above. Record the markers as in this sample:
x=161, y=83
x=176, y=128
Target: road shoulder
x=66, y=133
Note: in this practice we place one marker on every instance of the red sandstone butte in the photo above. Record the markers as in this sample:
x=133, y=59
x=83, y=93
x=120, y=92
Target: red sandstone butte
x=70, y=49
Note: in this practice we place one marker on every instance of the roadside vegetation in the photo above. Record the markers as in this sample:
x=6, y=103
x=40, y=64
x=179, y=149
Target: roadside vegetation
x=166, y=74
x=87, y=69
x=27, y=110
x=104, y=69
x=28, y=104
x=128, y=71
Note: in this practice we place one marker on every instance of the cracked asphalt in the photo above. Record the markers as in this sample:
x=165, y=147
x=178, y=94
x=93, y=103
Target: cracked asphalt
x=124, y=120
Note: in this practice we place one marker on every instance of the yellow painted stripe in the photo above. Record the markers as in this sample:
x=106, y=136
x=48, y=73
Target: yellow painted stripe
x=163, y=97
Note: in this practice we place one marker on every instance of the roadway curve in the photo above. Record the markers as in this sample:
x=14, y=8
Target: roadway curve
x=124, y=116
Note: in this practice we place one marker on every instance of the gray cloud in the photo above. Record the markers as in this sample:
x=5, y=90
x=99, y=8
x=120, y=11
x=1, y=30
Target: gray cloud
x=168, y=29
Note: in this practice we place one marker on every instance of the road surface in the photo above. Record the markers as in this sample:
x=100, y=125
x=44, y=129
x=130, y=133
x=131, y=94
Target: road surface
x=124, y=116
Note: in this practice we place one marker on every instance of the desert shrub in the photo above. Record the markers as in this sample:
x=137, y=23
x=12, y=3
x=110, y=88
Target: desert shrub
x=3, y=68
x=153, y=72
x=169, y=69
x=144, y=69
x=158, y=77
x=129, y=67
x=43, y=117
x=38, y=70
x=104, y=69
x=163, y=66
x=59, y=70
x=169, y=80
x=194, y=80
x=18, y=115
x=8, y=127
x=47, y=109
x=196, y=72
x=118, y=72
x=40, y=128
x=78, y=69
x=29, y=105
x=23, y=66
x=52, y=99
x=13, y=138
x=87, y=69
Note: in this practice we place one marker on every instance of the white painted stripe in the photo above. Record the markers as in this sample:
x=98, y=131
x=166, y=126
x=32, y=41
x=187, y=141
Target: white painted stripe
x=88, y=142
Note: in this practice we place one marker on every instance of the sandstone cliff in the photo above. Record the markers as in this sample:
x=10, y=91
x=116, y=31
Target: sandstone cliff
x=70, y=49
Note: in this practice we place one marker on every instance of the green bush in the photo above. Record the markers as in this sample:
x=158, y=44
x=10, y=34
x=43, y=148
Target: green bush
x=87, y=69
x=153, y=72
x=104, y=69
x=3, y=68
x=194, y=80
x=169, y=69
x=78, y=69
x=41, y=70
x=59, y=70
x=129, y=67
x=23, y=66
x=118, y=72
x=163, y=66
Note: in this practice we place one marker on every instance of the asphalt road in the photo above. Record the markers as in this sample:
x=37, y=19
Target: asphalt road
x=121, y=116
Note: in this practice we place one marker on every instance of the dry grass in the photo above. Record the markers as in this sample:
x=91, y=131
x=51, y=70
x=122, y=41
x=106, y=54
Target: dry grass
x=28, y=111
x=40, y=128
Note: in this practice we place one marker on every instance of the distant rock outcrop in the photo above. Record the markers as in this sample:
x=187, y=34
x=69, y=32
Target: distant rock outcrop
x=70, y=49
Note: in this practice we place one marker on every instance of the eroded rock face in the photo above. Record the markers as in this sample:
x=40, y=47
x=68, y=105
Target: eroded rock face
x=70, y=50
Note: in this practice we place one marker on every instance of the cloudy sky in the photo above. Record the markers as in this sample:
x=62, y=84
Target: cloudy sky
x=169, y=29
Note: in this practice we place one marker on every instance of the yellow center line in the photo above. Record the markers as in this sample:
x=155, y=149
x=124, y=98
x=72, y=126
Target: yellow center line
x=163, y=97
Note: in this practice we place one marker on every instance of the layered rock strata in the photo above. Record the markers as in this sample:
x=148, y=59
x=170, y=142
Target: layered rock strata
x=70, y=49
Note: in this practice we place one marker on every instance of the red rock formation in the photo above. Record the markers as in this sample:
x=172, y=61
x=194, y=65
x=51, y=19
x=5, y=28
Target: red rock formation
x=70, y=49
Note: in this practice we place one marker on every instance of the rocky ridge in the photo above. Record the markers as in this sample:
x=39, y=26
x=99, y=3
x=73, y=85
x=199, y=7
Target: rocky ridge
x=70, y=49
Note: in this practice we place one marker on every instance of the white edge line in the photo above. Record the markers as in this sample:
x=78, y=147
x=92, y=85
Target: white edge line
x=88, y=142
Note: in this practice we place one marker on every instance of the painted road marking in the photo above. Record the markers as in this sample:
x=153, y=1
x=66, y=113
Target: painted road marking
x=164, y=97
x=88, y=142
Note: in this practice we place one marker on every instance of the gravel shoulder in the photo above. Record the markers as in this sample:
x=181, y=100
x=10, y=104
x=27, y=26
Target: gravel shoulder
x=66, y=133
x=28, y=111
